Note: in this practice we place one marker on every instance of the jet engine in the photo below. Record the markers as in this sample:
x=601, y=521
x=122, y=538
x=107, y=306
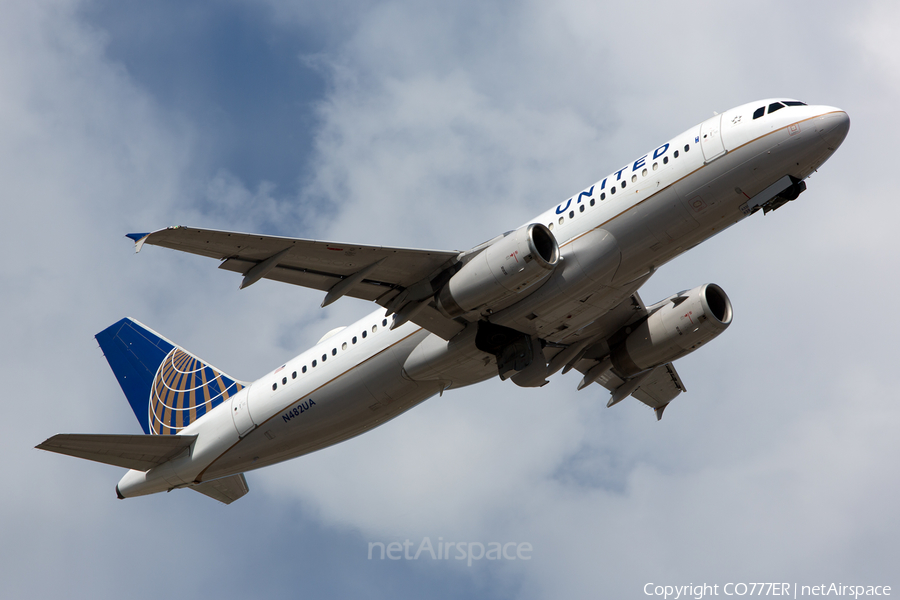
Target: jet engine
x=684, y=323
x=508, y=267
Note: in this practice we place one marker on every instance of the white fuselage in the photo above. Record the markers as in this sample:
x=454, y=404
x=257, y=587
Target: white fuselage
x=665, y=202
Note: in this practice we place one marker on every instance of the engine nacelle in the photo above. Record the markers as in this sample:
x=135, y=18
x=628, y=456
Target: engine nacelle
x=508, y=267
x=682, y=325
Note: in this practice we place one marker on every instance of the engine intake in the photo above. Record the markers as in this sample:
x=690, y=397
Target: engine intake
x=684, y=323
x=506, y=268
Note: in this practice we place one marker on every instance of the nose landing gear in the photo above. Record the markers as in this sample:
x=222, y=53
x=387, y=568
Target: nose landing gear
x=775, y=196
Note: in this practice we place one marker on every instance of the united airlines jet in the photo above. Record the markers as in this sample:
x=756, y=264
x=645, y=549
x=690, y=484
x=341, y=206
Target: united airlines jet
x=555, y=294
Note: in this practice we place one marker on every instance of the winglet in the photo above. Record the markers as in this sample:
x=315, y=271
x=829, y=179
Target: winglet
x=139, y=239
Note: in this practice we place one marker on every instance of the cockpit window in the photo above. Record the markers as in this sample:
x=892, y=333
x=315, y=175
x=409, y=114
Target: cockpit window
x=776, y=106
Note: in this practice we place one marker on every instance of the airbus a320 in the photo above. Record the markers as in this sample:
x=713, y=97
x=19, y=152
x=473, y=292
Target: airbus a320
x=558, y=293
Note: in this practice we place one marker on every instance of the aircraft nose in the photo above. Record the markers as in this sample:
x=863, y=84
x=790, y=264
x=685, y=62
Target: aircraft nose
x=833, y=128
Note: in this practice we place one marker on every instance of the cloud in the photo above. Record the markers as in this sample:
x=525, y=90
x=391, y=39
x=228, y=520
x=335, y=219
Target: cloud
x=739, y=471
x=441, y=127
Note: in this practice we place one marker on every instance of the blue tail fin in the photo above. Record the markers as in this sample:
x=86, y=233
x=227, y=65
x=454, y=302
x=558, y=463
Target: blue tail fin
x=167, y=387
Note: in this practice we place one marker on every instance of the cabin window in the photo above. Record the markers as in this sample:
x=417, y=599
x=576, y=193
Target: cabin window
x=550, y=226
x=775, y=106
x=274, y=387
x=623, y=185
x=634, y=179
x=354, y=339
x=571, y=214
x=612, y=190
x=344, y=346
x=665, y=160
x=592, y=201
x=294, y=375
x=284, y=381
x=687, y=147
x=655, y=166
x=644, y=173
x=303, y=370
x=324, y=357
x=384, y=323
x=603, y=196
x=561, y=220
x=314, y=364
x=364, y=334
x=581, y=208
x=374, y=328
x=759, y=112
x=676, y=154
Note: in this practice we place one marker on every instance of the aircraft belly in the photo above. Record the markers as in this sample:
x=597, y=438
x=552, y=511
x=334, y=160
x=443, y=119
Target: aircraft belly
x=667, y=216
x=368, y=395
x=260, y=450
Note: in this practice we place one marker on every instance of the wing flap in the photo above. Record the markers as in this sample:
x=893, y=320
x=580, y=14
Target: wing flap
x=140, y=452
x=309, y=278
x=663, y=383
x=661, y=387
x=657, y=390
x=225, y=490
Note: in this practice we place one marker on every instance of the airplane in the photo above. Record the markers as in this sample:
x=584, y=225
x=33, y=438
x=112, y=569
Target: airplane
x=557, y=293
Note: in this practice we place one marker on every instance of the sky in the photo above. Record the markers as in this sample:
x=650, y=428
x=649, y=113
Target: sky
x=440, y=125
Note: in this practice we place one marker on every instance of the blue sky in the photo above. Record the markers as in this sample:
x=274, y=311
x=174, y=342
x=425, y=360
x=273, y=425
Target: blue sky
x=227, y=70
x=408, y=124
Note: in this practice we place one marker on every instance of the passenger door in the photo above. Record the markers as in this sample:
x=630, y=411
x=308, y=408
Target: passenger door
x=711, y=139
x=240, y=412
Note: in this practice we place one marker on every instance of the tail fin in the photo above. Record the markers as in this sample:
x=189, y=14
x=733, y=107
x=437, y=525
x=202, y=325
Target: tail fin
x=167, y=387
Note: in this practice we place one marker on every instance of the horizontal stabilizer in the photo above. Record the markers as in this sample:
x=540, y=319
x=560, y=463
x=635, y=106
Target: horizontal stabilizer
x=140, y=452
x=227, y=489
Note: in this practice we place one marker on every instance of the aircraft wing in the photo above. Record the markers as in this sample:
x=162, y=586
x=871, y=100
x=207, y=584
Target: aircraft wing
x=392, y=277
x=660, y=386
x=657, y=388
